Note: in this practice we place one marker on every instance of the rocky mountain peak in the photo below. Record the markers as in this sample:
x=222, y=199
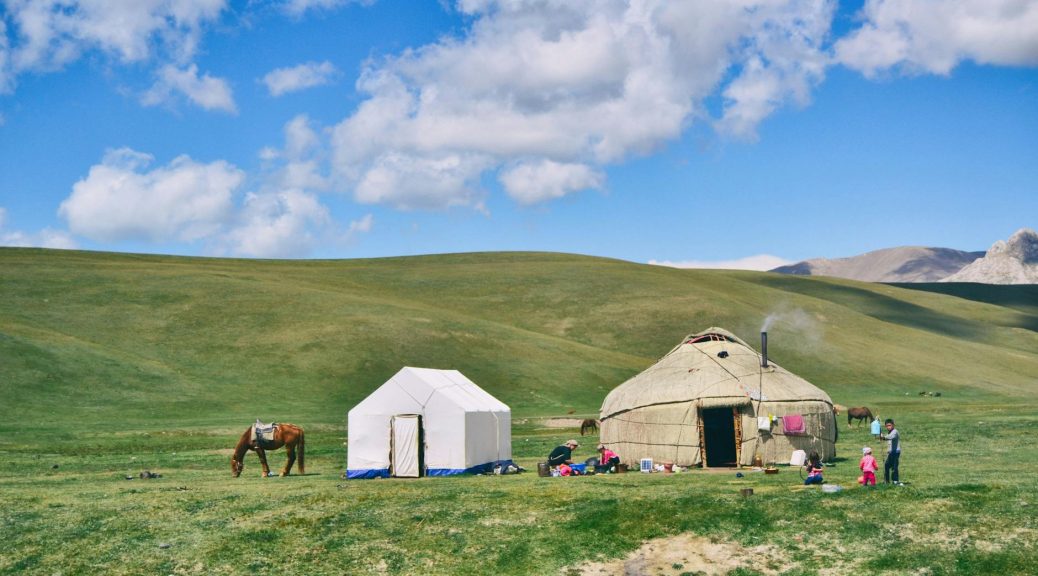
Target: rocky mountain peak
x=1023, y=245
x=1013, y=261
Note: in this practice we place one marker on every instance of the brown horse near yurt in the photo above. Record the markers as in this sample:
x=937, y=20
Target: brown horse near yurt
x=288, y=435
x=588, y=426
x=859, y=413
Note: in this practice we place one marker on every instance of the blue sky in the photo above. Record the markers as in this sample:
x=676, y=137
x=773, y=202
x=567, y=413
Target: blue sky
x=695, y=133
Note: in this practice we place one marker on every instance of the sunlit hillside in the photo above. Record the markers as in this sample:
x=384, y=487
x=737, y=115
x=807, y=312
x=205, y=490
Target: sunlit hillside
x=139, y=339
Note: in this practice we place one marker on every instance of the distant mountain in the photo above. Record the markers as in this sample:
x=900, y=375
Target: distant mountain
x=1013, y=261
x=903, y=264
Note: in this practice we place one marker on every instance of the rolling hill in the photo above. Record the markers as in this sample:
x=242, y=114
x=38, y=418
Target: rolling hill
x=155, y=341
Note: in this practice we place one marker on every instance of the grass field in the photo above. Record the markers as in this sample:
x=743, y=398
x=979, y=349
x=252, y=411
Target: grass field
x=113, y=364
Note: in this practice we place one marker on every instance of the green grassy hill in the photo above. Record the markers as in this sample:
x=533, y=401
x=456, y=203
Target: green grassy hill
x=113, y=364
x=170, y=340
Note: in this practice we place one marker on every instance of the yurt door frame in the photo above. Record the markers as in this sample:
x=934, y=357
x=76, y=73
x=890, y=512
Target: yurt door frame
x=718, y=436
x=406, y=446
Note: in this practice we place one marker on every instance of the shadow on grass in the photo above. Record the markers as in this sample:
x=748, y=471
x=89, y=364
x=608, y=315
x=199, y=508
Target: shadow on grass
x=1020, y=297
x=883, y=307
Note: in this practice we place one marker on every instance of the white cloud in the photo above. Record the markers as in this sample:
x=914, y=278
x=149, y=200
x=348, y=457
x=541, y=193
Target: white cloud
x=46, y=238
x=758, y=262
x=286, y=224
x=429, y=182
x=207, y=92
x=298, y=165
x=286, y=218
x=6, y=74
x=298, y=7
x=530, y=183
x=285, y=80
x=934, y=36
x=121, y=200
x=277, y=225
x=46, y=35
x=300, y=138
x=573, y=84
x=361, y=226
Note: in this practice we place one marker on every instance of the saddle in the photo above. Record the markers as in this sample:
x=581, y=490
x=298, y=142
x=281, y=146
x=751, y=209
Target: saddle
x=263, y=434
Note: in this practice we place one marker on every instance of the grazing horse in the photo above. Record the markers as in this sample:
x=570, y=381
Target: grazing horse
x=288, y=435
x=859, y=413
x=588, y=426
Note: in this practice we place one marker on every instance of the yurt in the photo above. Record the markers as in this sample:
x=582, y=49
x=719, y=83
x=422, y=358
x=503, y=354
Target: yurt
x=426, y=422
x=714, y=401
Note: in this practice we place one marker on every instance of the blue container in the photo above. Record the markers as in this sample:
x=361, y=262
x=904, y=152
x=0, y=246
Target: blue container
x=875, y=427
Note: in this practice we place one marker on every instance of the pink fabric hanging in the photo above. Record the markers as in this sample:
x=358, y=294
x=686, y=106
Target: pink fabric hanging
x=793, y=424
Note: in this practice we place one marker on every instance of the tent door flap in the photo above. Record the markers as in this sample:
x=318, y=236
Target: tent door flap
x=406, y=450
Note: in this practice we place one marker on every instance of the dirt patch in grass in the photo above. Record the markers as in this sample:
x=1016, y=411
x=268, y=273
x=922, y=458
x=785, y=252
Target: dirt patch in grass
x=562, y=422
x=687, y=554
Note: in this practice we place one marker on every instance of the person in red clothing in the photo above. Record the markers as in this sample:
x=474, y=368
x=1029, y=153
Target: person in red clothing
x=868, y=467
x=607, y=459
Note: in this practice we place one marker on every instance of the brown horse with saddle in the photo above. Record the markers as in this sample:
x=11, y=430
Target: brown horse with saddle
x=262, y=437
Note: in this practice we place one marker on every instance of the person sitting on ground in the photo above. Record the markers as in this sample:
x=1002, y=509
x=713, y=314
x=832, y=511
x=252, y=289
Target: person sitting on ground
x=814, y=469
x=607, y=459
x=562, y=454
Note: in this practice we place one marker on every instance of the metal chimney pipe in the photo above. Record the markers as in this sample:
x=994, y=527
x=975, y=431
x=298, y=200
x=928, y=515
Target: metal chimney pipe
x=763, y=349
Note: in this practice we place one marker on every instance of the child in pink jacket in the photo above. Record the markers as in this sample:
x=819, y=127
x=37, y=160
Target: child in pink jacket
x=868, y=467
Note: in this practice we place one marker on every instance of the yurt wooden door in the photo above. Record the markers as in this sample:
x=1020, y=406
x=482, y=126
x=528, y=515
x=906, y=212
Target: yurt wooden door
x=405, y=459
x=719, y=437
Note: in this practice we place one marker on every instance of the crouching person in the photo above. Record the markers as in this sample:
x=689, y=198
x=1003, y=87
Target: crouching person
x=814, y=469
x=562, y=454
x=607, y=459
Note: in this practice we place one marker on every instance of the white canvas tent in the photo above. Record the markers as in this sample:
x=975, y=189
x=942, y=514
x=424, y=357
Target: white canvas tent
x=426, y=422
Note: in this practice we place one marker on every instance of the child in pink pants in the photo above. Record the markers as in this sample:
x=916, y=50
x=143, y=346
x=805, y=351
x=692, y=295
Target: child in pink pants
x=868, y=467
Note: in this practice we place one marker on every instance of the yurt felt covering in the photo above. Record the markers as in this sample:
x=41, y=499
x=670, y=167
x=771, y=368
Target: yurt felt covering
x=670, y=412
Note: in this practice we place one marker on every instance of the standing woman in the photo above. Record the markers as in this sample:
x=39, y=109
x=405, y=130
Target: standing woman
x=890, y=465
